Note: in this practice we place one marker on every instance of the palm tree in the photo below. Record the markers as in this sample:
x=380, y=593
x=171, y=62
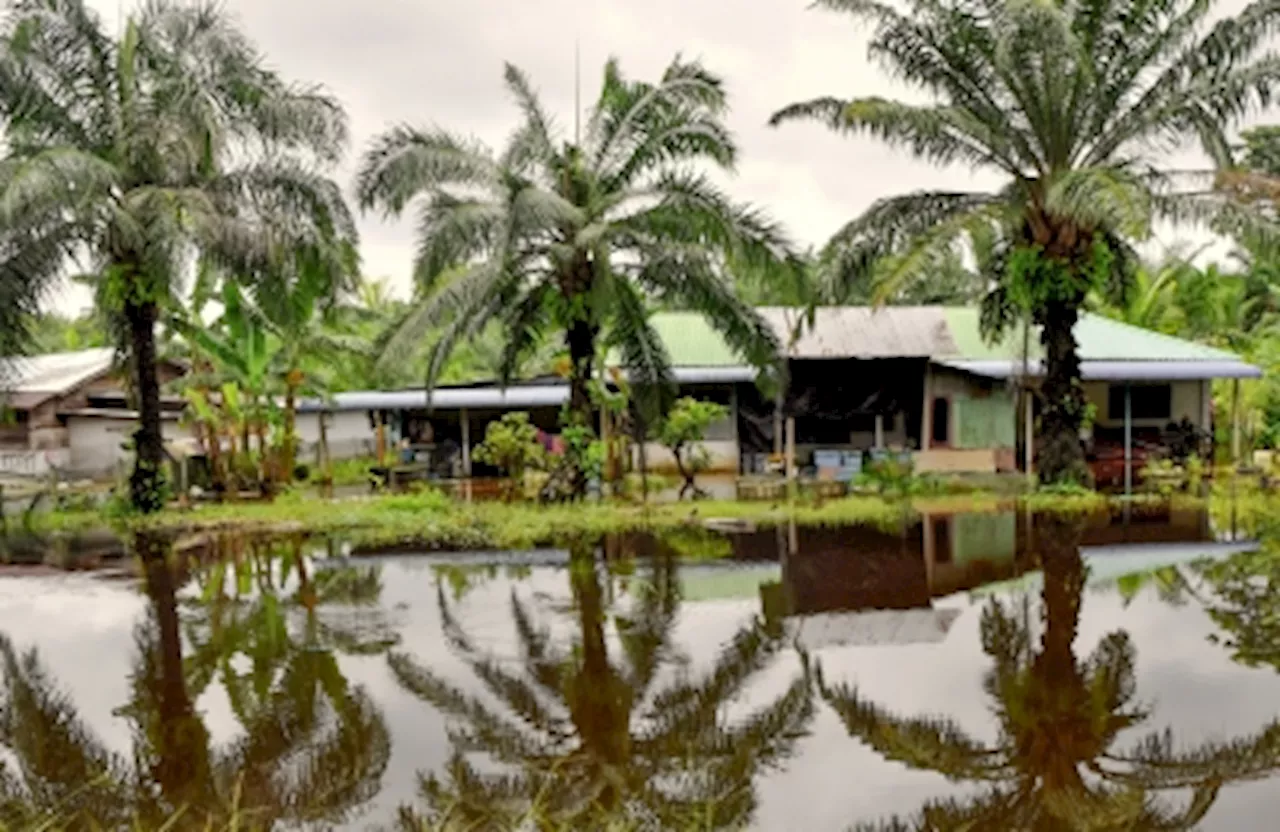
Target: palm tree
x=590, y=741
x=1070, y=104
x=1054, y=764
x=143, y=150
x=581, y=236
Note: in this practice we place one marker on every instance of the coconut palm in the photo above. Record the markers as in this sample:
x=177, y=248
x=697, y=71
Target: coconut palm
x=1055, y=764
x=137, y=152
x=1073, y=105
x=588, y=740
x=582, y=236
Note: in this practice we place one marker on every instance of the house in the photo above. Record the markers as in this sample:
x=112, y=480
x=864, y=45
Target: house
x=917, y=380
x=69, y=412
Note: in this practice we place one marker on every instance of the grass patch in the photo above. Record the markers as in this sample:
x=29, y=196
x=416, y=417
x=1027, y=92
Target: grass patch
x=433, y=520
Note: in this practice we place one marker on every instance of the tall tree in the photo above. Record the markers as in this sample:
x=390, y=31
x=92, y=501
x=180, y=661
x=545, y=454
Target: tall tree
x=580, y=236
x=139, y=152
x=1072, y=104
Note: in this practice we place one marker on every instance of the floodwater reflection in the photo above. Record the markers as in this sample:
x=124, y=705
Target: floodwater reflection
x=961, y=672
x=1058, y=762
x=313, y=749
x=589, y=735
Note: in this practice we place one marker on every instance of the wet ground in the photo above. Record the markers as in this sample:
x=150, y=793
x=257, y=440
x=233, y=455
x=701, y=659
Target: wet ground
x=967, y=671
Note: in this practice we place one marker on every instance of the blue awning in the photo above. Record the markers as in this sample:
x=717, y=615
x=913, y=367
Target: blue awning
x=493, y=397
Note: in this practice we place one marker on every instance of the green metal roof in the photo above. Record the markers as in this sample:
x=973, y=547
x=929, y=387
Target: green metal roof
x=1100, y=339
x=692, y=342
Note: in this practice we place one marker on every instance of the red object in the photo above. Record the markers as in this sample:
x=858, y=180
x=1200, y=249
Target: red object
x=1107, y=464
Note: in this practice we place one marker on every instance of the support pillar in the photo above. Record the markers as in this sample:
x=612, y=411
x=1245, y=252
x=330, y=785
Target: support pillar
x=733, y=418
x=879, y=432
x=1029, y=436
x=465, y=419
x=926, y=418
x=777, y=425
x=380, y=444
x=1235, y=423
x=791, y=449
x=1128, y=439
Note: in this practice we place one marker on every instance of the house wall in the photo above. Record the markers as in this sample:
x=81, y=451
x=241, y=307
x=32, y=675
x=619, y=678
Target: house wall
x=349, y=435
x=981, y=417
x=96, y=444
x=723, y=454
x=1189, y=401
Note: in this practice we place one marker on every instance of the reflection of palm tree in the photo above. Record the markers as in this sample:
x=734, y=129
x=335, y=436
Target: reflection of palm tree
x=1245, y=603
x=265, y=601
x=1053, y=766
x=302, y=759
x=592, y=740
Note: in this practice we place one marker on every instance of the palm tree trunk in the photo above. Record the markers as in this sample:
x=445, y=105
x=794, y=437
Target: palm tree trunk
x=1061, y=458
x=181, y=760
x=146, y=485
x=601, y=700
x=581, y=340
x=326, y=464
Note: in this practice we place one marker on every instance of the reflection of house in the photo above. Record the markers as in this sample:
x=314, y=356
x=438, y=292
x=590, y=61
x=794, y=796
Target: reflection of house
x=859, y=569
x=68, y=411
x=920, y=379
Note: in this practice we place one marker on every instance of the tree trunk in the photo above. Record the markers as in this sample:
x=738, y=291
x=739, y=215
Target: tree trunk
x=291, y=382
x=689, y=485
x=600, y=701
x=581, y=340
x=147, y=484
x=180, y=764
x=326, y=464
x=1061, y=457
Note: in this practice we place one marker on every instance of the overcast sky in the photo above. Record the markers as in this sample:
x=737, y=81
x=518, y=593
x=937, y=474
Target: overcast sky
x=440, y=62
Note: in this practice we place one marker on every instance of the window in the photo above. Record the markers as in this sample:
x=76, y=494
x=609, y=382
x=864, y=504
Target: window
x=941, y=421
x=1149, y=401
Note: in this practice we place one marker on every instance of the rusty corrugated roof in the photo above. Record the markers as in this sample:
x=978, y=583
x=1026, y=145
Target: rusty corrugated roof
x=866, y=332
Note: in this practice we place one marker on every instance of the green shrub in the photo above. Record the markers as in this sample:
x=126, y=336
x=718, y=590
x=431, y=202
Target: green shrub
x=511, y=445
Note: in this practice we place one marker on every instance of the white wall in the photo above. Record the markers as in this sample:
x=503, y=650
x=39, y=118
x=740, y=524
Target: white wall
x=723, y=455
x=349, y=435
x=96, y=442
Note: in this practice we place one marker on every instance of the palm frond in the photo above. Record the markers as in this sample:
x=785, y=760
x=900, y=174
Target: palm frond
x=933, y=744
x=405, y=163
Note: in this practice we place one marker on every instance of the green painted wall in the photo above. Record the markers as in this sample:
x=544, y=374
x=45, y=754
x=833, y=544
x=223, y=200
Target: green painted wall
x=985, y=423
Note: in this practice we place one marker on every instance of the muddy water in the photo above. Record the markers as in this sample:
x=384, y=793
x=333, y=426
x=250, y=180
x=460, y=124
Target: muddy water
x=981, y=669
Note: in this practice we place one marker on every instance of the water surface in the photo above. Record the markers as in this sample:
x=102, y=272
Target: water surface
x=965, y=671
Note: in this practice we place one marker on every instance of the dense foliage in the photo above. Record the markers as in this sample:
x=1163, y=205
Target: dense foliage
x=166, y=144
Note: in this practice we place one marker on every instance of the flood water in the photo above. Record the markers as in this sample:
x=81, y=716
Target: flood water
x=963, y=672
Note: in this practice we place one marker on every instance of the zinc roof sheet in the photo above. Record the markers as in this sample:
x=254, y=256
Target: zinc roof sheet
x=30, y=380
x=865, y=332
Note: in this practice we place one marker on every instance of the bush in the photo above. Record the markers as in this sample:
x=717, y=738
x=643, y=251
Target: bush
x=511, y=445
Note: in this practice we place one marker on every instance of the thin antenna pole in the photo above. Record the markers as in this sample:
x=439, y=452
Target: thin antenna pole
x=577, y=92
